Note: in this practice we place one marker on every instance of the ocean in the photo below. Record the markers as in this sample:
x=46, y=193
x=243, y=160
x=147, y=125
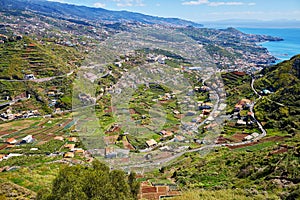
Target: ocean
x=283, y=50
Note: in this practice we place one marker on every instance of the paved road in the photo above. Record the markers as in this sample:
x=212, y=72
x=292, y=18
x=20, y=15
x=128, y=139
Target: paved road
x=40, y=80
x=264, y=133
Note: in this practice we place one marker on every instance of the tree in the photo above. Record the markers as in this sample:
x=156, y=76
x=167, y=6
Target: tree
x=96, y=183
x=133, y=184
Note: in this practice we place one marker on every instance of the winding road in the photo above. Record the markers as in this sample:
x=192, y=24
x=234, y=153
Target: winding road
x=165, y=161
x=264, y=132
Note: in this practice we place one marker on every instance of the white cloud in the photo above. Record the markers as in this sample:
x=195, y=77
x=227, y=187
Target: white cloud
x=219, y=3
x=129, y=3
x=99, y=5
x=225, y=3
x=199, y=2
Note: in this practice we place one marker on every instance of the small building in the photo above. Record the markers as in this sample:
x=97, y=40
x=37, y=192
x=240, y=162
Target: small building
x=176, y=112
x=165, y=133
x=78, y=150
x=248, y=137
x=241, y=122
x=11, y=141
x=70, y=146
x=51, y=93
x=238, y=107
x=29, y=77
x=204, y=107
x=266, y=92
x=206, y=112
x=151, y=143
x=118, y=64
x=208, y=104
x=60, y=138
x=197, y=88
x=69, y=155
x=255, y=134
x=165, y=148
x=179, y=138
x=238, y=73
x=210, y=118
x=190, y=113
x=244, y=102
x=27, y=139
x=204, y=89
x=168, y=134
x=72, y=139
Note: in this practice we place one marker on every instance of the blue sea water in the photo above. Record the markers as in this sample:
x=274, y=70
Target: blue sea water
x=283, y=50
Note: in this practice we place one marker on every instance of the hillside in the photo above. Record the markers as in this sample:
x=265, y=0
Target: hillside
x=78, y=13
x=151, y=96
x=23, y=55
x=30, y=69
x=280, y=105
x=263, y=169
x=255, y=172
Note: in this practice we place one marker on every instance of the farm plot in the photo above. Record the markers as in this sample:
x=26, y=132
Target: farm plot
x=42, y=131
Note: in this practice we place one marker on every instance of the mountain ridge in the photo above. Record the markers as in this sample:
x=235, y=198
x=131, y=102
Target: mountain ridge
x=90, y=13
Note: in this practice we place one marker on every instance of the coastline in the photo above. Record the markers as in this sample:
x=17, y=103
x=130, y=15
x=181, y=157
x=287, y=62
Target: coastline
x=282, y=50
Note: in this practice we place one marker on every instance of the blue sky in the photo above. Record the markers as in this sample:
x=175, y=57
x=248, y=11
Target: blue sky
x=203, y=10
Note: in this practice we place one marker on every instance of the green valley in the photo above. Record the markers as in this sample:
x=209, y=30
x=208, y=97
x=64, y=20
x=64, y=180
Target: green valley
x=99, y=104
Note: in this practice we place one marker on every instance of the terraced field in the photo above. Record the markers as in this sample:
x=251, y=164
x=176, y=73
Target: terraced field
x=43, y=131
x=26, y=56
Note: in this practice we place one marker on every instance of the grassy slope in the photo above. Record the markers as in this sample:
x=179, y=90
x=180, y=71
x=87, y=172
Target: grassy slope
x=237, y=88
x=284, y=80
x=43, y=59
x=260, y=171
x=27, y=56
x=237, y=194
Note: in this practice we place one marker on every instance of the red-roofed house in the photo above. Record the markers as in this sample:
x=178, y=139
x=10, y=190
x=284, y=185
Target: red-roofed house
x=11, y=141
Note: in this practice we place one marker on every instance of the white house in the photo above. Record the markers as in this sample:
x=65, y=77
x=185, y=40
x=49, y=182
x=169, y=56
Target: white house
x=248, y=137
x=255, y=134
x=27, y=139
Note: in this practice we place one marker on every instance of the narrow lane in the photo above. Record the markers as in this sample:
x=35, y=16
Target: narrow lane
x=264, y=132
x=165, y=161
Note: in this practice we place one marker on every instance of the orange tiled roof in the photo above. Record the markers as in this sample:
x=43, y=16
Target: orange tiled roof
x=11, y=140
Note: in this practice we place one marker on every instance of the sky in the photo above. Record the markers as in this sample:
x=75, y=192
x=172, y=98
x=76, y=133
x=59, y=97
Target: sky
x=203, y=10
